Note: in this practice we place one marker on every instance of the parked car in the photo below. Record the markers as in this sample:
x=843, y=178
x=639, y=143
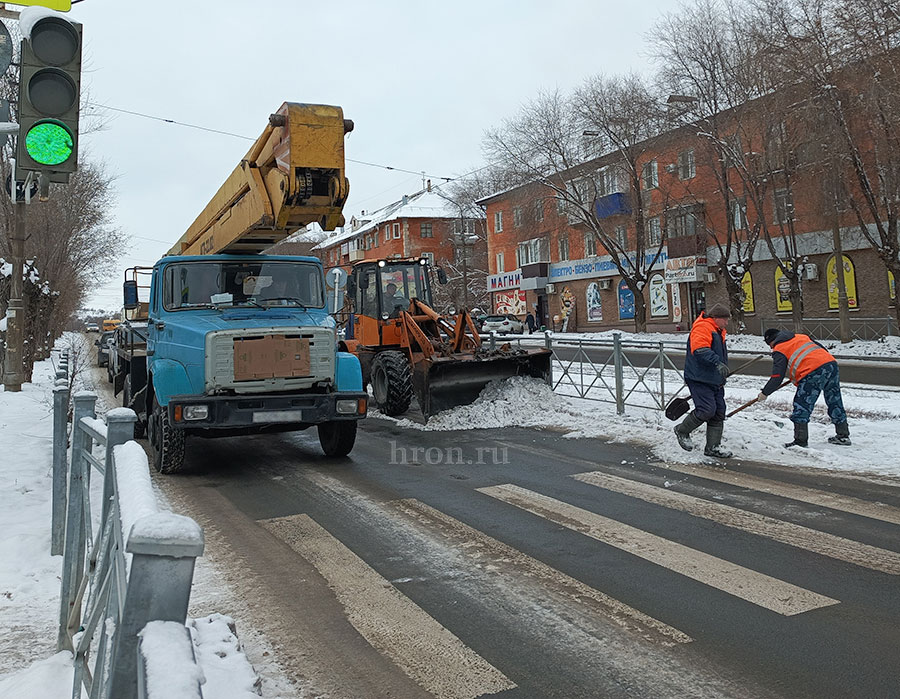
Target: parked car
x=92, y=328
x=103, y=344
x=503, y=325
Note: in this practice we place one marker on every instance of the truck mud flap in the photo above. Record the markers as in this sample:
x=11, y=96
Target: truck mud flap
x=447, y=382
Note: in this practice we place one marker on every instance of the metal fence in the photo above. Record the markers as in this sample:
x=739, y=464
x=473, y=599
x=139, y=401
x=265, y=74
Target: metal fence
x=830, y=329
x=136, y=569
x=638, y=373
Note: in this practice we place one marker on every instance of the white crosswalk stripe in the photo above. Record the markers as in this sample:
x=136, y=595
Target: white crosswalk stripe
x=788, y=533
x=757, y=588
x=426, y=651
x=834, y=501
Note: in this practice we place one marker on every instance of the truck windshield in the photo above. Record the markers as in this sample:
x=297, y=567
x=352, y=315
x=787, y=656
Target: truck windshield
x=242, y=283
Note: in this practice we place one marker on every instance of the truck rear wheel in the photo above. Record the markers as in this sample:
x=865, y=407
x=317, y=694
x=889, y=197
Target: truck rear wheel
x=392, y=382
x=166, y=442
x=337, y=437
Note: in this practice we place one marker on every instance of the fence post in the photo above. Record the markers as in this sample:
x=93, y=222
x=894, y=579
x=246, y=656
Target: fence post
x=164, y=547
x=662, y=374
x=60, y=434
x=548, y=344
x=492, y=340
x=620, y=381
x=119, y=429
x=74, y=548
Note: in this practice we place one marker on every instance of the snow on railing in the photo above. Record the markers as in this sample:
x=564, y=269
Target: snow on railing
x=137, y=569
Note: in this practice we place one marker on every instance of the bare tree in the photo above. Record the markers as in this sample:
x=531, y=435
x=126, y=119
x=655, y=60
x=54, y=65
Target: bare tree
x=846, y=55
x=545, y=144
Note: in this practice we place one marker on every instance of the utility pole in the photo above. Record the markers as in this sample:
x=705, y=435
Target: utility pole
x=13, y=367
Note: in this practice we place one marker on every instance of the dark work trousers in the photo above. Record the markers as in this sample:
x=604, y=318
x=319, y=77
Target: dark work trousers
x=825, y=379
x=709, y=401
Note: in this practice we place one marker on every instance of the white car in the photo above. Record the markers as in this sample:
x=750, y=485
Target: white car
x=503, y=325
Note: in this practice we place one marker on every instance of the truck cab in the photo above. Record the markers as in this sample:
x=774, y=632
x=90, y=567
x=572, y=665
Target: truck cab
x=241, y=344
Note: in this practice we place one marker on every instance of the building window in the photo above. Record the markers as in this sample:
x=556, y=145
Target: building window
x=534, y=250
x=426, y=230
x=654, y=231
x=684, y=222
x=784, y=206
x=563, y=243
x=650, y=175
x=608, y=182
x=622, y=237
x=396, y=231
x=686, y=167
x=517, y=216
x=498, y=221
x=539, y=210
x=375, y=238
x=500, y=266
x=739, y=214
x=387, y=233
x=734, y=150
x=430, y=257
x=590, y=244
x=560, y=206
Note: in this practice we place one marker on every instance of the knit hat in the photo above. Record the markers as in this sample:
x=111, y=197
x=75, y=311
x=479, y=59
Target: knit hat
x=769, y=335
x=718, y=311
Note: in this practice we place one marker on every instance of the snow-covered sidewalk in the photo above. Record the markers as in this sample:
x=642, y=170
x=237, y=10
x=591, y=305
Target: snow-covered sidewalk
x=30, y=577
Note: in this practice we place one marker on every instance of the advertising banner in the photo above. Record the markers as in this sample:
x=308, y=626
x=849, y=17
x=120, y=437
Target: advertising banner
x=659, y=297
x=685, y=269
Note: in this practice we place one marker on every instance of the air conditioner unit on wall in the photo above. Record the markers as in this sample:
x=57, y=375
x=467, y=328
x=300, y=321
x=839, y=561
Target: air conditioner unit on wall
x=810, y=272
x=605, y=283
x=550, y=288
x=710, y=277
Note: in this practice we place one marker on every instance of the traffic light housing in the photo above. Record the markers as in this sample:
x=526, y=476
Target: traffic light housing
x=49, y=95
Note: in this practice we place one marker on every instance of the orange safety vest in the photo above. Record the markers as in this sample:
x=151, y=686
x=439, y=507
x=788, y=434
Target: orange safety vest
x=803, y=356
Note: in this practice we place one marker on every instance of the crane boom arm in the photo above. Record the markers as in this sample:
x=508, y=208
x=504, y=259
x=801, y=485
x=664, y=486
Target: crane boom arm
x=292, y=176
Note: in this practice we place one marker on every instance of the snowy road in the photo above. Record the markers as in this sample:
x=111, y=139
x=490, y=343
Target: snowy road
x=513, y=561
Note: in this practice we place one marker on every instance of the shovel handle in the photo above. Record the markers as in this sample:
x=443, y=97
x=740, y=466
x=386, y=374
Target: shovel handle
x=755, y=400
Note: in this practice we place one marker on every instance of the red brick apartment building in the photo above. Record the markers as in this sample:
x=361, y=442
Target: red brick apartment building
x=542, y=259
x=424, y=224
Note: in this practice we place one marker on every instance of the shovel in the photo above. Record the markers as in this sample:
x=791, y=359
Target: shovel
x=755, y=400
x=680, y=406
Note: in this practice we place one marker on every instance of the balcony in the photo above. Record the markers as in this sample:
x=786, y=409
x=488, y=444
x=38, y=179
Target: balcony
x=687, y=245
x=616, y=204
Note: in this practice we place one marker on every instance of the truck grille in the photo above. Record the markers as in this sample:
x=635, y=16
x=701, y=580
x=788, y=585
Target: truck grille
x=220, y=360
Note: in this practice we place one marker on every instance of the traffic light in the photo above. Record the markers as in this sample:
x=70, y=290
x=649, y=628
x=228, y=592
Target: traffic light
x=49, y=91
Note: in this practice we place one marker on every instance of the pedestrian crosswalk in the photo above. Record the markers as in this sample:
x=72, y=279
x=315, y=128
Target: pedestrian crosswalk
x=478, y=560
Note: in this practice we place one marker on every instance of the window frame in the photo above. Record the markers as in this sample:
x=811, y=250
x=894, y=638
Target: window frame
x=651, y=168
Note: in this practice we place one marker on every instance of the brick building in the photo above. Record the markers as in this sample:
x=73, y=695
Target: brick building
x=544, y=259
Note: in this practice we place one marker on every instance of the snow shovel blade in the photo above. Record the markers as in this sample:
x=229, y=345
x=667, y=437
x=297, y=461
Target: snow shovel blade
x=677, y=407
x=442, y=383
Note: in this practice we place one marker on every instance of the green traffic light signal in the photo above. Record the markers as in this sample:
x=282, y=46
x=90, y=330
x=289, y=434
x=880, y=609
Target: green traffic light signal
x=49, y=143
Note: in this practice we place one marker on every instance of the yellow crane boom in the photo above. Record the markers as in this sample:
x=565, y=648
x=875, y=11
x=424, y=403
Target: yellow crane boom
x=292, y=176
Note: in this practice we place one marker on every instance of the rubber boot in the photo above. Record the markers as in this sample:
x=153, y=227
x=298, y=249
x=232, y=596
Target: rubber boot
x=713, y=439
x=684, y=429
x=842, y=435
x=801, y=435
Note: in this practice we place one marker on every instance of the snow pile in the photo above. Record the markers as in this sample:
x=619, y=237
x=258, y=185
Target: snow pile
x=219, y=652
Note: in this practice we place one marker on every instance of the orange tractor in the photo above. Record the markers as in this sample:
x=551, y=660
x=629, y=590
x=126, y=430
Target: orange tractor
x=405, y=347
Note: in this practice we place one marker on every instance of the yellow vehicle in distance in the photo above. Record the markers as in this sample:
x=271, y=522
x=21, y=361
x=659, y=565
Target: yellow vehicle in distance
x=111, y=324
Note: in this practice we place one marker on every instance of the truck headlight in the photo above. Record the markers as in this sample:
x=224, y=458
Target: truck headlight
x=195, y=412
x=347, y=407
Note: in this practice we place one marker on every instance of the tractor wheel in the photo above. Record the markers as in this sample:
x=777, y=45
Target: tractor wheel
x=166, y=442
x=392, y=382
x=337, y=437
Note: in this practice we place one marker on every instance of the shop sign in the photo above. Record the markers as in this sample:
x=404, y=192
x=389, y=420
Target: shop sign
x=595, y=267
x=685, y=269
x=506, y=302
x=504, y=281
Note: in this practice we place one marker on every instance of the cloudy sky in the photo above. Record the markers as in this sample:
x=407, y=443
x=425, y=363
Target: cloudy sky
x=421, y=80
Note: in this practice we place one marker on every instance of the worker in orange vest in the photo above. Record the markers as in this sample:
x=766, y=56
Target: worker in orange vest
x=813, y=370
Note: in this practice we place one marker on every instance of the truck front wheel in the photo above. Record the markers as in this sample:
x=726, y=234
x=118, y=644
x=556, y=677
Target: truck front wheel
x=166, y=442
x=337, y=437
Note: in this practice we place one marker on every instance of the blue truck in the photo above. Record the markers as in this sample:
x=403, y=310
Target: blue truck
x=228, y=340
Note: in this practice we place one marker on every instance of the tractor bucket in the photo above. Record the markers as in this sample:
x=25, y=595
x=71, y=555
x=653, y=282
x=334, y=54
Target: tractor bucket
x=441, y=383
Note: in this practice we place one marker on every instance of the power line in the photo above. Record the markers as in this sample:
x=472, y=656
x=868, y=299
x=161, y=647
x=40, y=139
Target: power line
x=175, y=122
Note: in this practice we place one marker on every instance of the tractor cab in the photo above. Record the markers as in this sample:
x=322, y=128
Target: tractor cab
x=381, y=289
